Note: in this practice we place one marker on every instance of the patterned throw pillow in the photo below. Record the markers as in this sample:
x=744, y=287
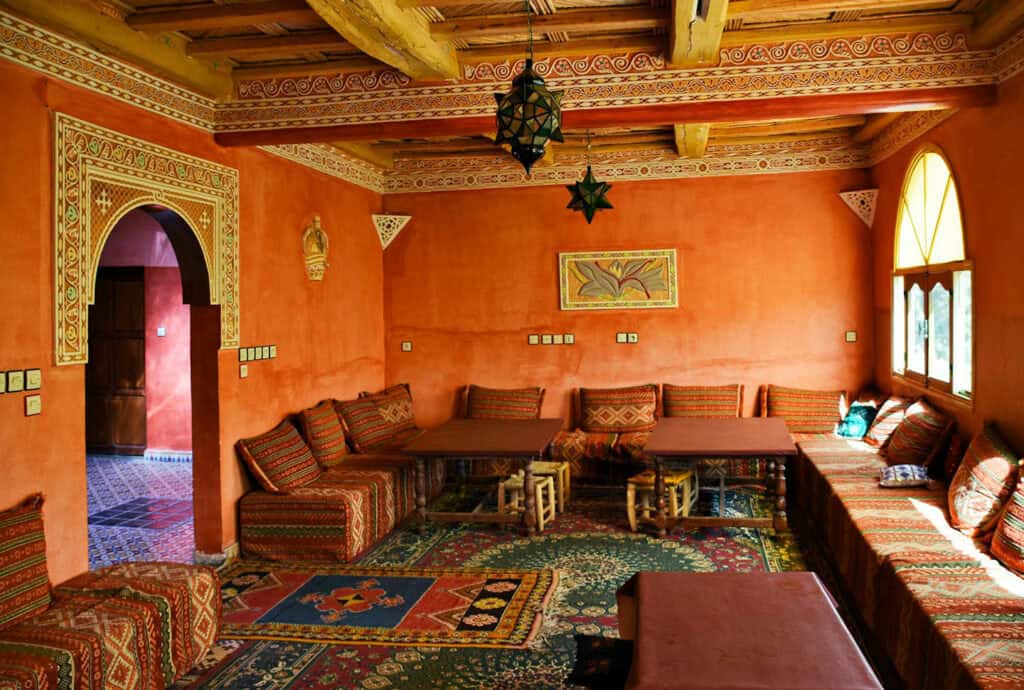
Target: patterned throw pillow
x=805, y=411
x=702, y=401
x=857, y=421
x=902, y=476
x=919, y=437
x=367, y=429
x=503, y=403
x=325, y=434
x=1008, y=542
x=888, y=418
x=982, y=484
x=24, y=582
x=618, y=410
x=395, y=406
x=279, y=459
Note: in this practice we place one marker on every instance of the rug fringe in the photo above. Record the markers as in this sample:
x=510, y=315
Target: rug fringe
x=548, y=622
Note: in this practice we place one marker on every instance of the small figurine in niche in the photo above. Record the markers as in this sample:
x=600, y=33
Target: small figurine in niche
x=314, y=246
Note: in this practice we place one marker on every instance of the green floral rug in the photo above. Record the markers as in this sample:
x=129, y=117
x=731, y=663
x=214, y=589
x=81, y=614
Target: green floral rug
x=590, y=547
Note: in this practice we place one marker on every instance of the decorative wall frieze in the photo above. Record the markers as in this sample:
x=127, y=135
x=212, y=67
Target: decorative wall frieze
x=844, y=48
x=331, y=161
x=1009, y=59
x=904, y=130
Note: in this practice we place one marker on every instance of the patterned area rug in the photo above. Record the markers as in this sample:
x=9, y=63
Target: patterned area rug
x=449, y=607
x=591, y=548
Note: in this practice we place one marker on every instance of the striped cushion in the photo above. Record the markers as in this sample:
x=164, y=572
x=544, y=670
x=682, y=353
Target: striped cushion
x=395, y=407
x=702, y=401
x=324, y=433
x=503, y=403
x=24, y=582
x=366, y=427
x=919, y=436
x=805, y=411
x=279, y=459
x=985, y=479
x=1008, y=542
x=888, y=418
x=618, y=410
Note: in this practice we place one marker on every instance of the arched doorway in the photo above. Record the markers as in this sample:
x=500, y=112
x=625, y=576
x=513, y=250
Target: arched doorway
x=150, y=323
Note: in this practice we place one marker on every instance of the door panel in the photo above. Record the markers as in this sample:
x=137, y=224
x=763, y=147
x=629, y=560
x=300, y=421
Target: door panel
x=115, y=405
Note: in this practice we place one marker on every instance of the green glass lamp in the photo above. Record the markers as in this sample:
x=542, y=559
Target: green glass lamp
x=588, y=195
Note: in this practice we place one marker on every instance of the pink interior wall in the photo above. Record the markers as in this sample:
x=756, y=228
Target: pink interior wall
x=138, y=240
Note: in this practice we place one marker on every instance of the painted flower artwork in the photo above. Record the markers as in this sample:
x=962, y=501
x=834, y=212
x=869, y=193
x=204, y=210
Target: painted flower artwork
x=642, y=279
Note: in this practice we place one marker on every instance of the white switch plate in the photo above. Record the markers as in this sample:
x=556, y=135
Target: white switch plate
x=266, y=352
x=406, y=346
x=545, y=339
x=633, y=337
x=621, y=338
x=161, y=331
x=533, y=339
x=273, y=352
x=33, y=379
x=243, y=371
x=33, y=405
x=851, y=336
x=558, y=339
x=570, y=339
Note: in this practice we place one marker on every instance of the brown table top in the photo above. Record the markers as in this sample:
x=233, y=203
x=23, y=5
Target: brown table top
x=741, y=630
x=484, y=437
x=735, y=436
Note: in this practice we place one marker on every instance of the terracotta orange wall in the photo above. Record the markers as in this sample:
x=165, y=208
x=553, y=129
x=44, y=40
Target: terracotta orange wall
x=168, y=382
x=773, y=270
x=985, y=149
x=329, y=335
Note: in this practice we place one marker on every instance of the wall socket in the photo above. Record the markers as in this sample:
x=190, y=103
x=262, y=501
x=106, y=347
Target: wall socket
x=33, y=379
x=569, y=339
x=243, y=371
x=16, y=381
x=851, y=336
x=621, y=337
x=533, y=339
x=406, y=346
x=633, y=338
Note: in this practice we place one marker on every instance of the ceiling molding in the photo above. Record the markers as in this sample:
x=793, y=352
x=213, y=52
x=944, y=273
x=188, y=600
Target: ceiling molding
x=331, y=161
x=905, y=130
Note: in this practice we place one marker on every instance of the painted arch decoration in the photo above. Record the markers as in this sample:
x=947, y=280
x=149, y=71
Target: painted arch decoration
x=100, y=175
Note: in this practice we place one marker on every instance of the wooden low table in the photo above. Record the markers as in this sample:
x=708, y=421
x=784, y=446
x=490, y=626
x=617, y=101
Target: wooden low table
x=459, y=439
x=712, y=631
x=679, y=441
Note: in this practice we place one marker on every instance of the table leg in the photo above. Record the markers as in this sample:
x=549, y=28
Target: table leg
x=530, y=506
x=659, y=493
x=421, y=492
x=781, y=521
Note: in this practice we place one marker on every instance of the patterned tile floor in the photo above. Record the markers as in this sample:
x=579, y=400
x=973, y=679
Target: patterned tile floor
x=139, y=510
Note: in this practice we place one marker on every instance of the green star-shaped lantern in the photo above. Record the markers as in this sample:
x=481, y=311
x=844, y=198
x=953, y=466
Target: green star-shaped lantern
x=588, y=195
x=528, y=116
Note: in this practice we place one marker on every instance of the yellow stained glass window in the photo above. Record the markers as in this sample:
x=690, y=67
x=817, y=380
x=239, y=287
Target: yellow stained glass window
x=929, y=228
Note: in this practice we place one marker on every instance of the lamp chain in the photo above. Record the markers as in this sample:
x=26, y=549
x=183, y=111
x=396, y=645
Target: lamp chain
x=588, y=148
x=529, y=25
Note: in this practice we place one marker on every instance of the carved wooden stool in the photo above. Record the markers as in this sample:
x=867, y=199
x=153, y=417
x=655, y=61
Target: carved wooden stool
x=559, y=472
x=680, y=489
x=511, y=497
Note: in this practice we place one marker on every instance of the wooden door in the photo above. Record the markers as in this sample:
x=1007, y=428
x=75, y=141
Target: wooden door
x=115, y=377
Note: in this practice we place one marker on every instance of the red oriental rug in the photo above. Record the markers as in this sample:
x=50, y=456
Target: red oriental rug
x=440, y=607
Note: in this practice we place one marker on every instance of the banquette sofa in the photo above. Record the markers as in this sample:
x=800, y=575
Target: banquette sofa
x=132, y=626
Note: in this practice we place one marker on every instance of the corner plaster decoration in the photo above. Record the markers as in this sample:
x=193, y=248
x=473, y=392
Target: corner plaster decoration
x=101, y=175
x=314, y=247
x=862, y=202
x=388, y=227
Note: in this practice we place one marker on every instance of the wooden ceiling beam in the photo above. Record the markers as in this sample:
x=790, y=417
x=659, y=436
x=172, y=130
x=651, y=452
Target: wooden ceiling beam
x=997, y=22
x=755, y=9
x=586, y=46
x=605, y=19
x=792, y=126
x=249, y=47
x=819, y=30
x=218, y=16
x=397, y=36
x=691, y=140
x=367, y=153
x=874, y=126
x=825, y=105
x=696, y=32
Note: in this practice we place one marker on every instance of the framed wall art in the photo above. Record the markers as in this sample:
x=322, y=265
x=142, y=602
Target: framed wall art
x=637, y=279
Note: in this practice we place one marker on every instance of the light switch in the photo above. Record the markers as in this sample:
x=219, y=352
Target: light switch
x=243, y=354
x=3, y=382
x=557, y=339
x=15, y=381
x=406, y=346
x=533, y=339
x=570, y=339
x=266, y=352
x=273, y=352
x=545, y=339
x=161, y=331
x=33, y=405
x=633, y=337
x=621, y=338
x=851, y=336
x=33, y=379
x=243, y=371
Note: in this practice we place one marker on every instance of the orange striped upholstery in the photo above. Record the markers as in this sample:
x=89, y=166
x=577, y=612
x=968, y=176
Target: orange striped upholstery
x=618, y=410
x=279, y=459
x=366, y=428
x=503, y=403
x=324, y=433
x=919, y=437
x=982, y=484
x=24, y=581
x=805, y=411
x=888, y=418
x=702, y=401
x=1008, y=542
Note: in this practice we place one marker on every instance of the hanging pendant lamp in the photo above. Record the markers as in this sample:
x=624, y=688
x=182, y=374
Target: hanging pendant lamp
x=528, y=115
x=588, y=195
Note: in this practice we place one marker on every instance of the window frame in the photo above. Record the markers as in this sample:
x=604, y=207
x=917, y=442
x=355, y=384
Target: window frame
x=927, y=276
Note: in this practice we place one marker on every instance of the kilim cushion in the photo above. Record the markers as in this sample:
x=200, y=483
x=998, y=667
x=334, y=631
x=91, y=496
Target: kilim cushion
x=1008, y=542
x=919, y=437
x=24, y=581
x=982, y=483
x=888, y=418
x=279, y=459
x=324, y=433
x=618, y=410
x=503, y=403
x=805, y=411
x=366, y=427
x=395, y=406
x=899, y=476
x=702, y=401
x=632, y=446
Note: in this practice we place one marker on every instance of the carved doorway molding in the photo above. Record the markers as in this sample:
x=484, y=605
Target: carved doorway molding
x=99, y=176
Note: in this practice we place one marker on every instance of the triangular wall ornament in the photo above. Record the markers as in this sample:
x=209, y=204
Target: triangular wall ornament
x=388, y=227
x=862, y=202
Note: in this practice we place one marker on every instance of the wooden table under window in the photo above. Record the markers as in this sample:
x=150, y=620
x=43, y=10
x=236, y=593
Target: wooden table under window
x=461, y=439
x=679, y=441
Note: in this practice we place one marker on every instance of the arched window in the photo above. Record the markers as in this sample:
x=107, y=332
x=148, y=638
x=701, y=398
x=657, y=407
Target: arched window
x=932, y=309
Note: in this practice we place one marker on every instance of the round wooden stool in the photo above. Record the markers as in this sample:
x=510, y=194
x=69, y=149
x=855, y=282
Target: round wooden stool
x=559, y=471
x=680, y=489
x=511, y=497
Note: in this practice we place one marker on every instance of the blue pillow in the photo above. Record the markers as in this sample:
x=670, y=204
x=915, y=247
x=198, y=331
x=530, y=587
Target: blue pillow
x=858, y=420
